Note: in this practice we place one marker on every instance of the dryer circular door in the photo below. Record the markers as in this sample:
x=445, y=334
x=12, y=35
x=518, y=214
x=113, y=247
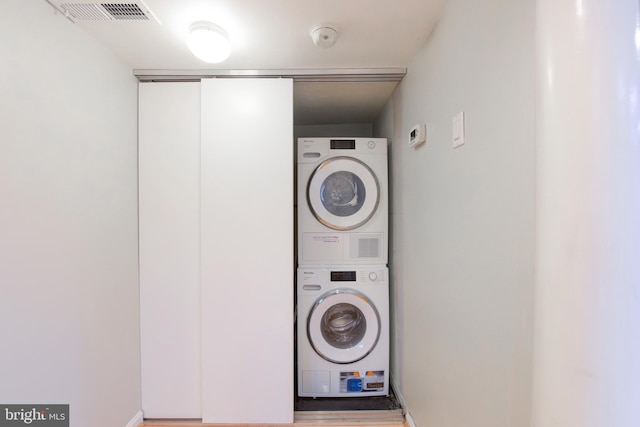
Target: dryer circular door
x=343, y=193
x=343, y=326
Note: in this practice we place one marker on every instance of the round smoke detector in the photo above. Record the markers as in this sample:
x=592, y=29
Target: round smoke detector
x=324, y=35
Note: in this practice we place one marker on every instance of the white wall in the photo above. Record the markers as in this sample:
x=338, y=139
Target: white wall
x=462, y=221
x=587, y=307
x=68, y=221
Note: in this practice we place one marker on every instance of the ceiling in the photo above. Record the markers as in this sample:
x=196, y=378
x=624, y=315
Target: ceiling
x=374, y=35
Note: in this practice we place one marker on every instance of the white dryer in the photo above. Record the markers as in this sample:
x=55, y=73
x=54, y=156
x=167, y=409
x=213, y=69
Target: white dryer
x=342, y=201
x=343, y=331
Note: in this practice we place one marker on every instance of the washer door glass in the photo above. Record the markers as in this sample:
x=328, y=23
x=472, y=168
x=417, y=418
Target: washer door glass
x=343, y=326
x=343, y=193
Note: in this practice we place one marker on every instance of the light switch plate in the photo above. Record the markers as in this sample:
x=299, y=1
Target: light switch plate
x=458, y=129
x=417, y=135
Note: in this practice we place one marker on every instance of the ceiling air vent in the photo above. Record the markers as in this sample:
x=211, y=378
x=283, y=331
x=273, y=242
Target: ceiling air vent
x=95, y=10
x=85, y=11
x=124, y=11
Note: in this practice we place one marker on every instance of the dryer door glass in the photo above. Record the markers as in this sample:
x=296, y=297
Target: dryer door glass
x=343, y=193
x=343, y=326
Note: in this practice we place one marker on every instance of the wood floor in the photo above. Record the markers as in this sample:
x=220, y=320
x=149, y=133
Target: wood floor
x=182, y=424
x=307, y=419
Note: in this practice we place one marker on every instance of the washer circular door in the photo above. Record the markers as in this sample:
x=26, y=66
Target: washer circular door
x=343, y=193
x=343, y=326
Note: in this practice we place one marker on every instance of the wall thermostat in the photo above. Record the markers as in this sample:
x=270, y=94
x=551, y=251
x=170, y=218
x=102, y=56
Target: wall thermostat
x=417, y=135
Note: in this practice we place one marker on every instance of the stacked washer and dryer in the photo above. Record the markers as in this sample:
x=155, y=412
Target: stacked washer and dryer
x=342, y=277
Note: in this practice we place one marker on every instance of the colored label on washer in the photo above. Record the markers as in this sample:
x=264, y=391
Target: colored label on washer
x=354, y=385
x=361, y=382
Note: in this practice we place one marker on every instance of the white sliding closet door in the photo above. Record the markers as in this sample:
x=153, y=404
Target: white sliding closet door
x=169, y=212
x=247, y=250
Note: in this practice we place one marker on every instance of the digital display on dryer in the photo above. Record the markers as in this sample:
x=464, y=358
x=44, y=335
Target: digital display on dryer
x=343, y=276
x=343, y=144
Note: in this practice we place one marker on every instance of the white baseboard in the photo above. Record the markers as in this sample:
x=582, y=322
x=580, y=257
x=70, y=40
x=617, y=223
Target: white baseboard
x=403, y=403
x=409, y=420
x=398, y=393
x=136, y=420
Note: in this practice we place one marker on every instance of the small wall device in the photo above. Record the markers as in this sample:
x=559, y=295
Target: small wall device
x=417, y=135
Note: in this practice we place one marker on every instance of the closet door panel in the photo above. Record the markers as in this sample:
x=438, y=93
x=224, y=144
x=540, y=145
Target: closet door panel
x=169, y=213
x=247, y=250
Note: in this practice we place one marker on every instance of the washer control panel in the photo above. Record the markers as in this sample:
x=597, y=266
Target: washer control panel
x=372, y=276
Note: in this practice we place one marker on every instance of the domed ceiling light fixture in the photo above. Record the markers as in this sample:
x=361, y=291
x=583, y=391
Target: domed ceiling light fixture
x=324, y=35
x=208, y=42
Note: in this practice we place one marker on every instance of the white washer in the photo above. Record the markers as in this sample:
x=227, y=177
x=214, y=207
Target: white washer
x=342, y=201
x=343, y=331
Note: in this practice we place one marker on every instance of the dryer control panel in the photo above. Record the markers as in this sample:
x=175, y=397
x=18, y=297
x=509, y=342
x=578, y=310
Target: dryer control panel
x=312, y=149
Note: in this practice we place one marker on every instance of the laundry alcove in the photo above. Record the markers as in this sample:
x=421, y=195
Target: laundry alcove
x=216, y=237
